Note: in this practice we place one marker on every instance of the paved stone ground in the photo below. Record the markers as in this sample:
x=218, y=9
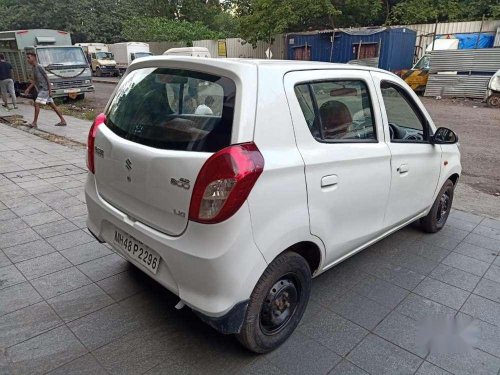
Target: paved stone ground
x=69, y=305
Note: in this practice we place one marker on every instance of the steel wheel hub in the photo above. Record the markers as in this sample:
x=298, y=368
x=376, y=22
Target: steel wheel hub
x=279, y=306
x=444, y=206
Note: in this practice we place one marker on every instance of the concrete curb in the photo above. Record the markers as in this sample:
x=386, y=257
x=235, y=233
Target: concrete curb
x=98, y=80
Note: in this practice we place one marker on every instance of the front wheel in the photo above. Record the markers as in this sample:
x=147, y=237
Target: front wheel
x=494, y=101
x=277, y=303
x=437, y=216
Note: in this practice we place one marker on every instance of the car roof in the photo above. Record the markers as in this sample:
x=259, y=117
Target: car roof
x=283, y=65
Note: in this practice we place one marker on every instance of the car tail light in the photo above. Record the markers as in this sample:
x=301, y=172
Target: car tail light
x=224, y=183
x=99, y=120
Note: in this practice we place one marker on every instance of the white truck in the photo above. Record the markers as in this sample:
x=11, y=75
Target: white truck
x=188, y=51
x=66, y=66
x=100, y=59
x=125, y=53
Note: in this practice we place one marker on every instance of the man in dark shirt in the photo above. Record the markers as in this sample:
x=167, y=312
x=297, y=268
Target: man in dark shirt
x=6, y=82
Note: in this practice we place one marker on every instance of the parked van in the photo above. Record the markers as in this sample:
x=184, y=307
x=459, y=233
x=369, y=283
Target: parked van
x=125, y=53
x=102, y=62
x=188, y=51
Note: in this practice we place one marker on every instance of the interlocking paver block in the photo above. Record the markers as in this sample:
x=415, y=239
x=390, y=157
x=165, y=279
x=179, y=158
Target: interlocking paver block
x=314, y=358
x=16, y=297
x=483, y=309
x=43, y=265
x=86, y=252
x=380, y=291
x=18, y=237
x=60, y=282
x=347, y=368
x=442, y=293
x=360, y=310
x=468, y=362
x=80, y=302
x=467, y=264
x=45, y=352
x=55, y=228
x=28, y=322
x=70, y=239
x=333, y=331
x=476, y=252
x=80, y=366
x=378, y=356
x=420, y=308
x=28, y=250
x=488, y=289
x=482, y=241
x=9, y=275
x=103, y=326
x=104, y=267
x=455, y=277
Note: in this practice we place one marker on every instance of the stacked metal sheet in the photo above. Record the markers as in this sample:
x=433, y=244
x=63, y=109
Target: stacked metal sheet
x=465, y=60
x=457, y=86
x=471, y=70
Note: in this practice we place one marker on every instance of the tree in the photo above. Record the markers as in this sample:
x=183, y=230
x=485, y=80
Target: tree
x=271, y=17
x=159, y=29
x=426, y=11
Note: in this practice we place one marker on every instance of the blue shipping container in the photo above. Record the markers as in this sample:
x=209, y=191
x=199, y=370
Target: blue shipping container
x=394, y=47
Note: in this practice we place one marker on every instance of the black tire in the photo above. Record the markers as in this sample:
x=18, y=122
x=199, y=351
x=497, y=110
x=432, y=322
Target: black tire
x=437, y=216
x=98, y=72
x=494, y=101
x=277, y=303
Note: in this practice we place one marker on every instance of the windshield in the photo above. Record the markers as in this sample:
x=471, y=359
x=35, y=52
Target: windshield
x=138, y=55
x=423, y=63
x=61, y=56
x=104, y=56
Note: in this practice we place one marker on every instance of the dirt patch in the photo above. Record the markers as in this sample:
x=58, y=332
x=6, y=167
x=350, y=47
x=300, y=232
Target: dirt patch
x=18, y=122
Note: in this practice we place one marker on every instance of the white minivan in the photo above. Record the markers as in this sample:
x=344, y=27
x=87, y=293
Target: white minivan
x=290, y=168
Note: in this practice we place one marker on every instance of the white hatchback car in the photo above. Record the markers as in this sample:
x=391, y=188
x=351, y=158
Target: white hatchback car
x=291, y=168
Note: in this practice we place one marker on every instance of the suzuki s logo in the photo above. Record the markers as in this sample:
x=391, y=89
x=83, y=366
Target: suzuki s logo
x=128, y=164
x=181, y=182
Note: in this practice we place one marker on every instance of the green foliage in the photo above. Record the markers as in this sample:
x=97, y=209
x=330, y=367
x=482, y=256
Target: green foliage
x=271, y=17
x=111, y=21
x=157, y=29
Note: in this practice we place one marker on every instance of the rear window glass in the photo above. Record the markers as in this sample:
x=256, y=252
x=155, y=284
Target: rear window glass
x=174, y=109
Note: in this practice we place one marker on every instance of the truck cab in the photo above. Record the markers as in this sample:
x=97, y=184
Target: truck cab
x=66, y=66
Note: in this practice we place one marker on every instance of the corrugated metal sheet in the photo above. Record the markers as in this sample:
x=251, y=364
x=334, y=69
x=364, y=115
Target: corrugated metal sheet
x=239, y=48
x=373, y=62
x=450, y=85
x=465, y=60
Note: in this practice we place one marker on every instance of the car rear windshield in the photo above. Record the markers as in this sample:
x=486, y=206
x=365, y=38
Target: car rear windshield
x=174, y=109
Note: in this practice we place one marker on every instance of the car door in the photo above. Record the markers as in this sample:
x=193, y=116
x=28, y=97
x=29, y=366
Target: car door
x=415, y=162
x=340, y=136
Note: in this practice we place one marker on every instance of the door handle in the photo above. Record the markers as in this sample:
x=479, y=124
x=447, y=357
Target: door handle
x=330, y=180
x=403, y=168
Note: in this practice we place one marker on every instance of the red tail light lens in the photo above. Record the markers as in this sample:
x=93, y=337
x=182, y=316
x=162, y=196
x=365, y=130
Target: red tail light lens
x=224, y=183
x=99, y=120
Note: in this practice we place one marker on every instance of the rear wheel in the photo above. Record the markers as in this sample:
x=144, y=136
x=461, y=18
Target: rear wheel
x=437, y=216
x=277, y=303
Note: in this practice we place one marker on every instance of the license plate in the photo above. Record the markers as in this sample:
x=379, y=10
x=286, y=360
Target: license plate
x=138, y=251
x=71, y=91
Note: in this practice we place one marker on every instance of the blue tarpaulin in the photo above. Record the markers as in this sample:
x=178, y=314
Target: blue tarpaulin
x=469, y=41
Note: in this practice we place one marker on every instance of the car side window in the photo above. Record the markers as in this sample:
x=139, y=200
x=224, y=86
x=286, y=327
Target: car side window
x=337, y=111
x=406, y=122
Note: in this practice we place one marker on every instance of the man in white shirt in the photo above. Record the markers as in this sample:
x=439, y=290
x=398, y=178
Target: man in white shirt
x=204, y=109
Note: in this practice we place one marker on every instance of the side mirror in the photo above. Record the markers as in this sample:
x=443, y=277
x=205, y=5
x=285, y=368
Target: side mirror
x=444, y=136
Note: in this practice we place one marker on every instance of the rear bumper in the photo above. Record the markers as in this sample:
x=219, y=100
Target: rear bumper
x=212, y=268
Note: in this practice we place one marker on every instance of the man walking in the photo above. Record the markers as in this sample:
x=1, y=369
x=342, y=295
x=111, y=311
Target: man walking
x=42, y=85
x=6, y=82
